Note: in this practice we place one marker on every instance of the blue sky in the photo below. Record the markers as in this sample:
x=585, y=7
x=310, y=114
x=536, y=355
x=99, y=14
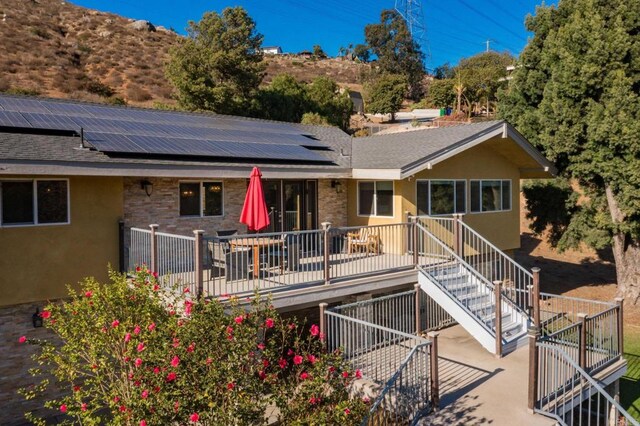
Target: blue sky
x=455, y=28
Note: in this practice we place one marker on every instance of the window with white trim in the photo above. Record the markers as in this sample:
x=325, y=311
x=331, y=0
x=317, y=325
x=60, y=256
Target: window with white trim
x=375, y=198
x=34, y=202
x=490, y=195
x=441, y=196
x=201, y=199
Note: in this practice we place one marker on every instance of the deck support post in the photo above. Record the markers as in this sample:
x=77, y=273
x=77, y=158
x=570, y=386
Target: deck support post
x=433, y=373
x=154, y=248
x=323, y=324
x=497, y=288
x=535, y=296
x=414, y=233
x=620, y=303
x=533, y=335
x=326, y=226
x=197, y=262
x=582, y=345
x=417, y=295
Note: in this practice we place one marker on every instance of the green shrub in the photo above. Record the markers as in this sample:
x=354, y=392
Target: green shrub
x=23, y=91
x=99, y=88
x=136, y=353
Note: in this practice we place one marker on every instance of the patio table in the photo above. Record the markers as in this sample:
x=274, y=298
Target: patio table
x=256, y=244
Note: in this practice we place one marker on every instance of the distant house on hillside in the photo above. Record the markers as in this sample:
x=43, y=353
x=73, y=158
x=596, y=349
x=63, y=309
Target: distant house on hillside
x=272, y=50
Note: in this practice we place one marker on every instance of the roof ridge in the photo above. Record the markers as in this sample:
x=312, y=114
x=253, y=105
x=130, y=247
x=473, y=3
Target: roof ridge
x=432, y=129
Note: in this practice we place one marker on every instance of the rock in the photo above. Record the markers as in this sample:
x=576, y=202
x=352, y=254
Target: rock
x=142, y=25
x=105, y=34
x=108, y=21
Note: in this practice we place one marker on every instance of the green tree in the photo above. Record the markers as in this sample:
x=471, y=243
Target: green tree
x=574, y=94
x=444, y=71
x=325, y=98
x=385, y=95
x=314, y=118
x=284, y=99
x=318, y=52
x=362, y=53
x=217, y=67
x=397, y=52
x=441, y=93
x=483, y=75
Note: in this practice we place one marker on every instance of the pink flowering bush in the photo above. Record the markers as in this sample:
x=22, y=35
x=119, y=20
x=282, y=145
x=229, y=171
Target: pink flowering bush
x=134, y=353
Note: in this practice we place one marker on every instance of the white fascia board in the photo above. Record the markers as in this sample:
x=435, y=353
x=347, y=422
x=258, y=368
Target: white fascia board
x=134, y=170
x=512, y=133
x=393, y=174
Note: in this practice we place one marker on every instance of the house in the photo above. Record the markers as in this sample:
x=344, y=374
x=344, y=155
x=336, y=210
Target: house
x=272, y=50
x=432, y=214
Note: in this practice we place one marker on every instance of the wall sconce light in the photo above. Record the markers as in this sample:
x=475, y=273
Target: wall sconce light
x=147, y=186
x=37, y=319
x=337, y=185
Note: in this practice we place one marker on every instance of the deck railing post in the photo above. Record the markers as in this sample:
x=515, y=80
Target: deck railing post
x=154, y=248
x=417, y=295
x=326, y=226
x=536, y=297
x=414, y=229
x=582, y=345
x=497, y=288
x=533, y=335
x=433, y=372
x=197, y=262
x=620, y=303
x=323, y=323
x=456, y=234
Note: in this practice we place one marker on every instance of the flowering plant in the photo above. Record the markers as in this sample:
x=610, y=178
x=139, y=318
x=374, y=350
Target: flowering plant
x=136, y=353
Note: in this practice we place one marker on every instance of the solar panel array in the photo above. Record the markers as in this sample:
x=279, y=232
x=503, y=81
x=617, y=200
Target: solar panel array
x=147, y=132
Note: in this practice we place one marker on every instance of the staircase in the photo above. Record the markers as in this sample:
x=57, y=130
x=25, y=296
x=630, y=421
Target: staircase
x=463, y=286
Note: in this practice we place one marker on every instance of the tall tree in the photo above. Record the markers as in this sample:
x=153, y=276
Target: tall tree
x=575, y=96
x=397, y=52
x=441, y=93
x=285, y=99
x=483, y=75
x=444, y=71
x=385, y=95
x=218, y=66
x=325, y=98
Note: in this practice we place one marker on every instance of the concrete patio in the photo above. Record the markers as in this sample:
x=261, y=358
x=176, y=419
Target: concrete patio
x=478, y=389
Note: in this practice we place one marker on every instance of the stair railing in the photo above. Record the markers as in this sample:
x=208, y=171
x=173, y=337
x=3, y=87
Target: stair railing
x=495, y=265
x=435, y=258
x=560, y=388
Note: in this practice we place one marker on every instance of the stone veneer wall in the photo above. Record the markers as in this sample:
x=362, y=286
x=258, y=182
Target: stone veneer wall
x=163, y=206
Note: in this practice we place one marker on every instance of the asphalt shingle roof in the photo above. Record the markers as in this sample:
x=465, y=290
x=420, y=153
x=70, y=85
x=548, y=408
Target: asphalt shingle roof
x=398, y=150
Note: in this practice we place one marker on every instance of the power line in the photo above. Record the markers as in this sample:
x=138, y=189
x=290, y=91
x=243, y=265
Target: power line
x=490, y=19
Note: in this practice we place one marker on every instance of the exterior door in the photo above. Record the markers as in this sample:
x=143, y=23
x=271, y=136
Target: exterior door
x=292, y=204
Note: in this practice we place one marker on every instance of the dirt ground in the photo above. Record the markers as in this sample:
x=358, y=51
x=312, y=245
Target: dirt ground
x=578, y=273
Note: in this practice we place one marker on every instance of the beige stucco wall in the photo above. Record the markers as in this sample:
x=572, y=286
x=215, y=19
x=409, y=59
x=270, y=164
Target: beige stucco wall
x=480, y=162
x=38, y=261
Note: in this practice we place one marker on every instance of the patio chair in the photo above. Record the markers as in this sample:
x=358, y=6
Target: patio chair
x=363, y=240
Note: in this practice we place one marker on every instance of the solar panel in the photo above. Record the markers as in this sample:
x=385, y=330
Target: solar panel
x=140, y=144
x=13, y=119
x=50, y=121
x=139, y=131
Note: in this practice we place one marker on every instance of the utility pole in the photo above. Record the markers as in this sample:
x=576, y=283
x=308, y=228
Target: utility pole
x=487, y=43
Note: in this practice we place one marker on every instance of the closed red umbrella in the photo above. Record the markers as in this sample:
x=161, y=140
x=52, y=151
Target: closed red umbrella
x=254, y=211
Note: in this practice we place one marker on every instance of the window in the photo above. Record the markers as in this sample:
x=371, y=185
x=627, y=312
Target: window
x=375, y=198
x=490, y=195
x=201, y=199
x=441, y=197
x=34, y=202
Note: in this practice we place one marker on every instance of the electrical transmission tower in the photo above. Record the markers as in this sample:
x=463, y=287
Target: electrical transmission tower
x=411, y=11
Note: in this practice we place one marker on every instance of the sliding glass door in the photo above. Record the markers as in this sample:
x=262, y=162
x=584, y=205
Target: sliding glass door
x=292, y=204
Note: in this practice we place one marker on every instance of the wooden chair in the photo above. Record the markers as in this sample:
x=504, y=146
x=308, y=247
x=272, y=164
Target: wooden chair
x=364, y=239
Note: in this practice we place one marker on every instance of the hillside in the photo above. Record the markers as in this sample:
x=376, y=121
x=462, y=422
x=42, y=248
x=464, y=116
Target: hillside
x=54, y=48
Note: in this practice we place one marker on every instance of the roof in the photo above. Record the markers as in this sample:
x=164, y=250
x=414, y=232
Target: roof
x=400, y=155
x=35, y=149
